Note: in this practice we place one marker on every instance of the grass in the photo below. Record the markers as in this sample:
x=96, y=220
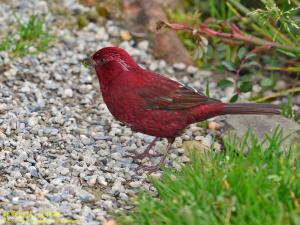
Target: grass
x=30, y=37
x=242, y=185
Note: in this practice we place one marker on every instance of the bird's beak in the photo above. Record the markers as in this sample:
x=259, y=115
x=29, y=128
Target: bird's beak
x=89, y=62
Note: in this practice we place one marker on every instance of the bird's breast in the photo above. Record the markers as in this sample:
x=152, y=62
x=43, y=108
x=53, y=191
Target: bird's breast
x=123, y=105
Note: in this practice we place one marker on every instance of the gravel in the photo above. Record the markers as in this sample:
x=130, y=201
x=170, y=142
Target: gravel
x=60, y=147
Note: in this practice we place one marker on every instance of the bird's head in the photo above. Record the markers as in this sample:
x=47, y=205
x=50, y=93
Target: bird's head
x=110, y=62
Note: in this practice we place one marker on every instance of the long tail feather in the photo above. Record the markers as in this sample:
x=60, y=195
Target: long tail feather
x=251, y=108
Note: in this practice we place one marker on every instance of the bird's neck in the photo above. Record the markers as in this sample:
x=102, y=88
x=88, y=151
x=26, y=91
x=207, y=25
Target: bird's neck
x=111, y=71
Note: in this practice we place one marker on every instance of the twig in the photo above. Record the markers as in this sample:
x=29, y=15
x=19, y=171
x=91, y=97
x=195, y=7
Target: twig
x=236, y=34
x=278, y=94
x=287, y=69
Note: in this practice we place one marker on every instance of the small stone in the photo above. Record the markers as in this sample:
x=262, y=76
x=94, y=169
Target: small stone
x=92, y=181
x=179, y=66
x=206, y=141
x=280, y=85
x=64, y=171
x=16, y=174
x=22, y=126
x=101, y=34
x=125, y=35
x=184, y=159
x=42, y=7
x=213, y=126
x=54, y=198
x=3, y=107
x=84, y=89
x=108, y=204
x=85, y=140
x=2, y=135
x=135, y=184
x=15, y=200
x=33, y=121
x=86, y=79
x=116, y=156
x=51, y=85
x=256, y=88
x=68, y=93
x=86, y=196
x=102, y=137
x=25, y=89
x=123, y=196
x=198, y=138
x=117, y=187
x=102, y=180
x=32, y=49
x=113, y=31
x=192, y=69
x=148, y=139
x=217, y=147
x=153, y=66
x=143, y=45
x=162, y=64
x=40, y=195
x=110, y=222
x=33, y=171
x=185, y=79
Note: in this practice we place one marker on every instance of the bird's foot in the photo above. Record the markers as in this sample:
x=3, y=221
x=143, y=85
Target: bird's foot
x=135, y=156
x=150, y=169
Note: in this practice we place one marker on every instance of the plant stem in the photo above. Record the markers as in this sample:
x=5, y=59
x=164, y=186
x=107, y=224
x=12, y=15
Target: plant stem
x=278, y=94
x=236, y=34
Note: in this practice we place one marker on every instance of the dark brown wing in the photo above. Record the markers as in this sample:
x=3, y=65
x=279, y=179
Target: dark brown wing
x=171, y=95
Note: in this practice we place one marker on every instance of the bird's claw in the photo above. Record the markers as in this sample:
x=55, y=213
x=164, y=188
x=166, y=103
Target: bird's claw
x=150, y=169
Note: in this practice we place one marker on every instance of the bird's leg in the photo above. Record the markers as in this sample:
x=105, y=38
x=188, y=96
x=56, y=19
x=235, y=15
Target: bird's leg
x=152, y=169
x=146, y=153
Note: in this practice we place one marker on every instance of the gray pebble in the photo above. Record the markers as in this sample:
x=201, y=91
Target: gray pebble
x=86, y=196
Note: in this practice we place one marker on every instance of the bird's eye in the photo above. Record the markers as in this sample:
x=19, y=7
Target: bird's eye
x=102, y=60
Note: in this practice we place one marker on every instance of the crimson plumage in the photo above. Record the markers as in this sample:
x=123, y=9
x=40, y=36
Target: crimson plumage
x=153, y=104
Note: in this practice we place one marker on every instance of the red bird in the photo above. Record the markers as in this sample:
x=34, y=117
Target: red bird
x=153, y=104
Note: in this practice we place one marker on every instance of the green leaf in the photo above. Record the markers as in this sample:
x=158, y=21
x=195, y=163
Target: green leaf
x=244, y=78
x=242, y=52
x=267, y=82
x=234, y=98
x=225, y=83
x=207, y=93
x=203, y=124
x=246, y=86
x=250, y=55
x=229, y=66
x=251, y=64
x=291, y=54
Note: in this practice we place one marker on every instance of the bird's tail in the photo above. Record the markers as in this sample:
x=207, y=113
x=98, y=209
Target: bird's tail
x=251, y=108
